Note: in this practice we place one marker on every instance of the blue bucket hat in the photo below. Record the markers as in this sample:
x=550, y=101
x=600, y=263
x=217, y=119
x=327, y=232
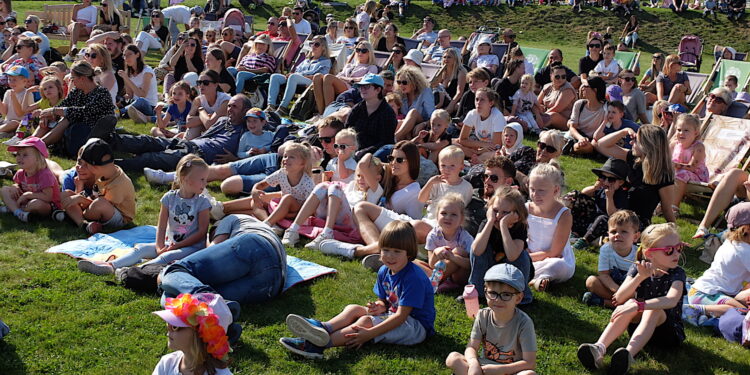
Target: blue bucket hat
x=371, y=79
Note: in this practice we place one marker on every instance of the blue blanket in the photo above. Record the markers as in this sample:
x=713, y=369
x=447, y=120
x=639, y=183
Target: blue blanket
x=297, y=270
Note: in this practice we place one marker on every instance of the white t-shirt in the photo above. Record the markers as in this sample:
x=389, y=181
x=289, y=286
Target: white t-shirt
x=299, y=191
x=430, y=37
x=354, y=195
x=333, y=166
x=484, y=129
x=439, y=190
x=169, y=364
x=152, y=94
x=180, y=14
x=89, y=14
x=608, y=258
x=485, y=61
x=729, y=270
x=349, y=42
x=363, y=22
x=603, y=67
x=406, y=201
x=12, y=115
x=303, y=27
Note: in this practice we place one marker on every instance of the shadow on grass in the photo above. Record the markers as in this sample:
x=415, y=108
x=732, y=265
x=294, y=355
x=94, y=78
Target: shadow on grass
x=11, y=361
x=543, y=311
x=675, y=359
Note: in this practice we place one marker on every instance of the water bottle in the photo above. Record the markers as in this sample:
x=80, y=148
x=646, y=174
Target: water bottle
x=437, y=274
x=746, y=330
x=471, y=300
x=381, y=202
x=21, y=132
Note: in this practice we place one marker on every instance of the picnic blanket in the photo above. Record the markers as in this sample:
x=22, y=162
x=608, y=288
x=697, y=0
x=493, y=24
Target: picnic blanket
x=101, y=246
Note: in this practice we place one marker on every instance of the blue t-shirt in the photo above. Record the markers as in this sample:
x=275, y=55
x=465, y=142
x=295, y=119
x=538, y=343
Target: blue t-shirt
x=69, y=183
x=180, y=118
x=625, y=142
x=409, y=287
x=250, y=140
x=222, y=135
x=183, y=216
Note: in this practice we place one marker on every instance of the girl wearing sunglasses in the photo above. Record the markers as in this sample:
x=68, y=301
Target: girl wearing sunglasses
x=351, y=34
x=98, y=56
x=649, y=303
x=208, y=107
x=327, y=86
x=672, y=84
x=187, y=59
x=109, y=17
x=396, y=61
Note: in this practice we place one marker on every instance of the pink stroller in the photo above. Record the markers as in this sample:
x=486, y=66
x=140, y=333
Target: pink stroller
x=690, y=52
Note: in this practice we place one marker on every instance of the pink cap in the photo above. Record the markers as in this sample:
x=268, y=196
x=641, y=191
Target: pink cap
x=31, y=142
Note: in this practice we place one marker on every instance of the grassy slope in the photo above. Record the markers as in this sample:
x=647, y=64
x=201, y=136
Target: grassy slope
x=66, y=322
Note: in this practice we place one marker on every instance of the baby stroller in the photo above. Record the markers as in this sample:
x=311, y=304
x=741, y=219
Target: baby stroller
x=235, y=19
x=690, y=52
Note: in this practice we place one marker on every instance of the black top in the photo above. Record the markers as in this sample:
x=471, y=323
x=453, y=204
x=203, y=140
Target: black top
x=466, y=104
x=383, y=47
x=506, y=89
x=226, y=77
x=374, y=130
x=587, y=64
x=524, y=158
x=655, y=287
x=114, y=22
x=620, y=198
x=542, y=77
x=87, y=109
x=181, y=67
x=643, y=198
x=495, y=244
x=118, y=63
x=162, y=33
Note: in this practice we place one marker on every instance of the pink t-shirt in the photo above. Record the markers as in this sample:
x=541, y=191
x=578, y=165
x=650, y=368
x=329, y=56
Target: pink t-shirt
x=38, y=182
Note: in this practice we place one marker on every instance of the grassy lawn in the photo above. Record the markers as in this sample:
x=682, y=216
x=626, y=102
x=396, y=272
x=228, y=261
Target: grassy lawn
x=67, y=322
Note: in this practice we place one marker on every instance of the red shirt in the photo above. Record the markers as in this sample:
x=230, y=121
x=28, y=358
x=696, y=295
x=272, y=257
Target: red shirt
x=266, y=32
x=41, y=180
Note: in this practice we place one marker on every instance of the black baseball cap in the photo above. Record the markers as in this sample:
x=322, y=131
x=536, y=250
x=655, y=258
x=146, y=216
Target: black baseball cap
x=97, y=152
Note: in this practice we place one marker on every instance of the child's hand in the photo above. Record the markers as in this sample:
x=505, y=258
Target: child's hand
x=647, y=269
x=443, y=252
x=78, y=183
x=158, y=109
x=375, y=308
x=624, y=309
x=509, y=219
x=164, y=249
x=36, y=113
x=422, y=134
x=609, y=192
x=33, y=89
x=360, y=337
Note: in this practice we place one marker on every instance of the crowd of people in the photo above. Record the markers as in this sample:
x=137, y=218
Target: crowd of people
x=390, y=158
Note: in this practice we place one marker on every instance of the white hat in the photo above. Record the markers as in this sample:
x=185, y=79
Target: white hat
x=415, y=55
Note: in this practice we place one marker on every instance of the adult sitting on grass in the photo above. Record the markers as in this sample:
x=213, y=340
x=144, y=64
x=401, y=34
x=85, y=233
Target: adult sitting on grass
x=557, y=99
x=86, y=104
x=208, y=107
x=217, y=144
x=672, y=84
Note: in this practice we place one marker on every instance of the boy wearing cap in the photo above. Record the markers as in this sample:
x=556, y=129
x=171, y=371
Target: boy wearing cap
x=12, y=105
x=505, y=332
x=255, y=140
x=35, y=189
x=113, y=203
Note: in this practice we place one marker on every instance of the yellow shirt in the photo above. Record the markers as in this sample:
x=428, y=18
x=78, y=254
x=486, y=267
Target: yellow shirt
x=120, y=192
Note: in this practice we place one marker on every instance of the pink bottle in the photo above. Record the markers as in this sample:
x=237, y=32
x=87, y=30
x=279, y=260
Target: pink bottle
x=471, y=299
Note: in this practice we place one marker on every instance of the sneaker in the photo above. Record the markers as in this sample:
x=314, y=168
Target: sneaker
x=282, y=111
x=334, y=247
x=4, y=210
x=592, y=299
x=94, y=227
x=217, y=210
x=302, y=347
x=13, y=141
x=581, y=244
x=568, y=148
x=620, y=363
x=591, y=356
x=234, y=331
x=23, y=216
x=157, y=176
x=270, y=108
x=315, y=243
x=137, y=116
x=96, y=267
x=278, y=230
x=291, y=237
x=691, y=314
x=372, y=262
x=309, y=329
x=121, y=274
x=59, y=216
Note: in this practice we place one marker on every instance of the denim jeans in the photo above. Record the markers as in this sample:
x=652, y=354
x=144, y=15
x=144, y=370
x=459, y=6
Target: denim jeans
x=152, y=152
x=480, y=265
x=241, y=78
x=245, y=268
x=143, y=106
x=292, y=82
x=254, y=169
x=233, y=71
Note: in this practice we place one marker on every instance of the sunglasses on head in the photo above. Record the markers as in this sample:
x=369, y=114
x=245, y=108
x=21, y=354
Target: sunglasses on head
x=91, y=55
x=361, y=50
x=326, y=139
x=337, y=146
x=669, y=250
x=559, y=76
x=608, y=179
x=204, y=82
x=543, y=146
x=505, y=296
x=716, y=98
x=402, y=83
x=595, y=46
x=493, y=177
x=399, y=160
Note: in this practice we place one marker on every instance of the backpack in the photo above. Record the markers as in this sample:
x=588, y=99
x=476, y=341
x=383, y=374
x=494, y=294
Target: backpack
x=304, y=107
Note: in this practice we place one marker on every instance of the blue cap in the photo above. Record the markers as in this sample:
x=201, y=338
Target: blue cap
x=18, y=70
x=256, y=113
x=506, y=274
x=371, y=79
x=677, y=108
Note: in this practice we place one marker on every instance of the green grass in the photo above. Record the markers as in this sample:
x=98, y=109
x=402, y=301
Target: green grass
x=67, y=322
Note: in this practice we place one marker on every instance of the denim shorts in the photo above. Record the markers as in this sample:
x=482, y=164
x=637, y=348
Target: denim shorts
x=410, y=332
x=618, y=275
x=255, y=169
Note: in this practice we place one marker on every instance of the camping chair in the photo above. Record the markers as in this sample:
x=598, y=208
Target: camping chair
x=697, y=80
x=411, y=44
x=500, y=49
x=381, y=59
x=338, y=52
x=723, y=68
x=146, y=20
x=536, y=56
x=718, y=50
x=628, y=60
x=430, y=70
x=727, y=142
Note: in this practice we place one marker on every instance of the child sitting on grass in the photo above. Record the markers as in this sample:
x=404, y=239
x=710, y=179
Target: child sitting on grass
x=449, y=242
x=112, y=205
x=35, y=189
x=649, y=303
x=451, y=162
x=404, y=313
x=615, y=258
x=505, y=332
x=434, y=138
x=12, y=104
x=255, y=140
x=173, y=123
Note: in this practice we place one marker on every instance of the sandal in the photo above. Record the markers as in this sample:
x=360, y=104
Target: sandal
x=540, y=285
x=701, y=232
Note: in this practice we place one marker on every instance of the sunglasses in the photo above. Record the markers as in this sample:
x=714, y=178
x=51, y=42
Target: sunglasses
x=31, y=21
x=397, y=51
x=595, y=46
x=402, y=83
x=669, y=250
x=155, y=15
x=559, y=76
x=272, y=23
x=628, y=79
x=392, y=158
x=326, y=139
x=716, y=99
x=608, y=179
x=92, y=55
x=316, y=44
x=361, y=50
x=337, y=146
x=225, y=34
x=282, y=25
x=204, y=82
x=192, y=45
x=348, y=28
x=549, y=148
x=493, y=177
x=510, y=36
x=365, y=87
x=505, y=296
x=295, y=13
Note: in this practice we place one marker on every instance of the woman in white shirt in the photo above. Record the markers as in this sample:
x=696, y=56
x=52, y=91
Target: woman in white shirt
x=140, y=84
x=84, y=16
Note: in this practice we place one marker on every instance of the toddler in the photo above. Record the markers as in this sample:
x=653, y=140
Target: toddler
x=525, y=105
x=12, y=105
x=394, y=100
x=35, y=188
x=688, y=156
x=608, y=69
x=615, y=121
x=255, y=140
x=342, y=166
x=434, y=137
x=451, y=162
x=450, y=243
x=51, y=90
x=730, y=83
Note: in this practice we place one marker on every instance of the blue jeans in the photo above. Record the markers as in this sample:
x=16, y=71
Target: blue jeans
x=292, y=82
x=233, y=71
x=241, y=78
x=254, y=169
x=480, y=265
x=143, y=106
x=383, y=153
x=244, y=268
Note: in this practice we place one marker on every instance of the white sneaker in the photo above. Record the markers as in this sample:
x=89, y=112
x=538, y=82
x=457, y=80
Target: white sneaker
x=158, y=176
x=372, y=262
x=333, y=247
x=291, y=237
x=217, y=209
x=315, y=243
x=13, y=141
x=137, y=116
